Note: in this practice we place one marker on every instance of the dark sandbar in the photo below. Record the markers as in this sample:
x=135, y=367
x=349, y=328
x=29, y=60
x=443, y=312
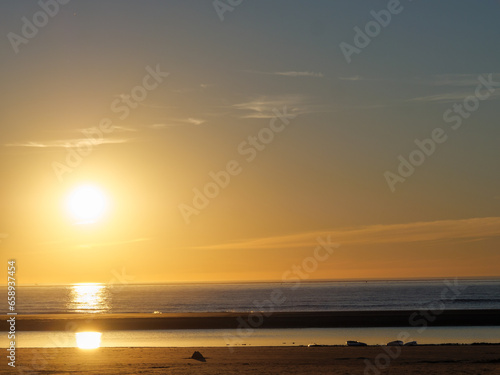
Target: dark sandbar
x=336, y=319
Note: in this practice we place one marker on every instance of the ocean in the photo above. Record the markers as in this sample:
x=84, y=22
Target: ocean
x=313, y=296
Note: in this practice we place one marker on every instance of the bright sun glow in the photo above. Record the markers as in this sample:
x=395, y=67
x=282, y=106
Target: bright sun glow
x=88, y=340
x=87, y=204
x=88, y=298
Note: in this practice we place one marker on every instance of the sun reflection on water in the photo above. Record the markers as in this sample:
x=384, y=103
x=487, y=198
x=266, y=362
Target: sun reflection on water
x=88, y=298
x=88, y=340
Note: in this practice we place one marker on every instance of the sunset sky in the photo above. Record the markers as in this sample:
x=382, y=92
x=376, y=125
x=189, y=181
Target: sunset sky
x=147, y=101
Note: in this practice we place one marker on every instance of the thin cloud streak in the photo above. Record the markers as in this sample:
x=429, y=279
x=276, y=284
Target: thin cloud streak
x=262, y=107
x=450, y=97
x=177, y=122
x=300, y=74
x=476, y=228
x=67, y=143
x=289, y=73
x=353, y=78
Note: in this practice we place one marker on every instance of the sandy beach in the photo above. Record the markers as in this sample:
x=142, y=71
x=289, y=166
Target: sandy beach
x=449, y=359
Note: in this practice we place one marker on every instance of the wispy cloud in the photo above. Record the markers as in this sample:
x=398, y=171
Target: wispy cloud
x=450, y=97
x=352, y=78
x=177, y=122
x=290, y=73
x=194, y=121
x=300, y=74
x=64, y=143
x=457, y=86
x=263, y=106
x=159, y=126
x=117, y=129
x=476, y=228
x=28, y=144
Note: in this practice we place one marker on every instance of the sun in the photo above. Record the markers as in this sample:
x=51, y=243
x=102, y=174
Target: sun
x=87, y=204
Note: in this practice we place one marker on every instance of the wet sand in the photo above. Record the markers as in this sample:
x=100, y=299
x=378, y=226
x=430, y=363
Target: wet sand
x=448, y=359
